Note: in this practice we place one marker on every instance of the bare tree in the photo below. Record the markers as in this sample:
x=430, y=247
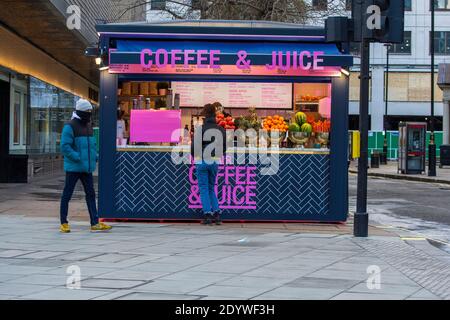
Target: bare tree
x=295, y=11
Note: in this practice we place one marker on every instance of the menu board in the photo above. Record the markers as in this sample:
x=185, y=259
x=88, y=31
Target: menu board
x=235, y=94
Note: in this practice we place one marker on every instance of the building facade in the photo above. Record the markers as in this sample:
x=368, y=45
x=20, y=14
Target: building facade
x=409, y=89
x=43, y=72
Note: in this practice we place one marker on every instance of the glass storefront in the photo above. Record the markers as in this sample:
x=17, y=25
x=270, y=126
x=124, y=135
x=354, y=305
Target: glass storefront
x=50, y=108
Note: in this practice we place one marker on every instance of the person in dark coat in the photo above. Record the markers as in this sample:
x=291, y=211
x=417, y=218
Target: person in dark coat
x=79, y=149
x=207, y=148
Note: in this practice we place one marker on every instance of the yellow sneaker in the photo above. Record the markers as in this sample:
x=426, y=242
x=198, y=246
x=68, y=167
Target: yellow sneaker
x=64, y=228
x=100, y=227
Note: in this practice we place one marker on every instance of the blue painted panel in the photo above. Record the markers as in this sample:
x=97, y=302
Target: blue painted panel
x=149, y=186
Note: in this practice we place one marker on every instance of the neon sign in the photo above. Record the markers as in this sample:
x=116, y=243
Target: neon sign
x=289, y=60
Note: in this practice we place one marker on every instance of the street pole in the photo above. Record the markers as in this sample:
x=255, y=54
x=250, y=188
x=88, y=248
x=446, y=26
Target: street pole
x=361, y=218
x=432, y=145
x=385, y=145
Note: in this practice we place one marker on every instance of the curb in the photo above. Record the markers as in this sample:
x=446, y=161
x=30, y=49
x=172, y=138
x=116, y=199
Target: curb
x=405, y=177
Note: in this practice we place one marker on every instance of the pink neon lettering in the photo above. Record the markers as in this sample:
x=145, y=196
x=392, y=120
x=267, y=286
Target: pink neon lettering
x=213, y=59
x=143, y=54
x=187, y=58
x=304, y=54
x=317, y=60
x=174, y=58
x=201, y=58
x=163, y=53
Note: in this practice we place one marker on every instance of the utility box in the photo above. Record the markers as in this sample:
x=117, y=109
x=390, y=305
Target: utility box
x=412, y=147
x=445, y=155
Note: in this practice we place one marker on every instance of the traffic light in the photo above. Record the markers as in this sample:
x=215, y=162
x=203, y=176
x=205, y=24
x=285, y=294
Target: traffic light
x=378, y=20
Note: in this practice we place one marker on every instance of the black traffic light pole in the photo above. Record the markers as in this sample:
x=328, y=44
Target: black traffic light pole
x=432, y=145
x=361, y=218
x=385, y=144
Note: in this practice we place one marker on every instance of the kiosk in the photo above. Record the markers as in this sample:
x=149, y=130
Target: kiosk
x=272, y=75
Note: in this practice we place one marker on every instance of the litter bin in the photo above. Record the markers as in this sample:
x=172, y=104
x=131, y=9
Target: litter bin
x=383, y=158
x=375, y=160
x=445, y=155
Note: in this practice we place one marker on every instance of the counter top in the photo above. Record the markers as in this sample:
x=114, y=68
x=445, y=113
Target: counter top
x=187, y=148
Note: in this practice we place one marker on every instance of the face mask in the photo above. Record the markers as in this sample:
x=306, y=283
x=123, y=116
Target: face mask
x=85, y=116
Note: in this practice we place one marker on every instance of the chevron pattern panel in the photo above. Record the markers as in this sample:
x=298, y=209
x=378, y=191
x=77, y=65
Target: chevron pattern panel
x=149, y=185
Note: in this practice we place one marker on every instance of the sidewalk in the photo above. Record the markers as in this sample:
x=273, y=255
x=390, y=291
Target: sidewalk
x=390, y=171
x=189, y=261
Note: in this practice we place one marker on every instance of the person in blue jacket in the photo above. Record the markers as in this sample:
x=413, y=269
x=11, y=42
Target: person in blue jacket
x=79, y=149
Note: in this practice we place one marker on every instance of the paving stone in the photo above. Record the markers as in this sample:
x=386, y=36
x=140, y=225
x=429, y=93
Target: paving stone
x=42, y=255
x=253, y=282
x=326, y=283
x=367, y=296
x=157, y=296
x=14, y=253
x=393, y=289
x=111, y=257
x=103, y=283
x=174, y=286
x=230, y=291
x=66, y=294
x=300, y=293
x=127, y=274
x=21, y=289
x=41, y=279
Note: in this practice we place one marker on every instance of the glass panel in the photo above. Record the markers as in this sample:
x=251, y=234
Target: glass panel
x=50, y=108
x=16, y=118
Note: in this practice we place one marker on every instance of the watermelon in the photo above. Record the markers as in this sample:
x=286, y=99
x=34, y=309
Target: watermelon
x=300, y=118
x=294, y=128
x=306, y=127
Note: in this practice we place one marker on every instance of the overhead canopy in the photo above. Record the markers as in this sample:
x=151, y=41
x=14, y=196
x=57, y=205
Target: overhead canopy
x=210, y=47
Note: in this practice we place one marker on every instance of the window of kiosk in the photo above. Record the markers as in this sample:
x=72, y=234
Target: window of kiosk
x=149, y=111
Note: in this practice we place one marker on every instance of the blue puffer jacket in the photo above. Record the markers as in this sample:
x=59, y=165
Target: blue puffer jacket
x=78, y=147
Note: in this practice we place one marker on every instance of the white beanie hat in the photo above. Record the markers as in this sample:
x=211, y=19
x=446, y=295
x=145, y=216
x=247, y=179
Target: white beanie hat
x=83, y=105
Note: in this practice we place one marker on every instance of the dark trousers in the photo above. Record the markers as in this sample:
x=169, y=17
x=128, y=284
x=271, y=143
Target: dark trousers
x=88, y=185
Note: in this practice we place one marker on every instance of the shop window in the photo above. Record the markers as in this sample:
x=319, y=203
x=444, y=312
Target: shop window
x=354, y=84
x=412, y=87
x=158, y=5
x=18, y=122
x=402, y=48
x=305, y=108
x=442, y=5
x=321, y=5
x=50, y=109
x=408, y=5
x=441, y=42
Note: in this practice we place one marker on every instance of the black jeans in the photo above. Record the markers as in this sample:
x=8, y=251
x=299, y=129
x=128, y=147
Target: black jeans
x=88, y=185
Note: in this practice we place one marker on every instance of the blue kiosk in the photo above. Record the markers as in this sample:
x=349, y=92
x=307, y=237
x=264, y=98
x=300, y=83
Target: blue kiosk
x=153, y=71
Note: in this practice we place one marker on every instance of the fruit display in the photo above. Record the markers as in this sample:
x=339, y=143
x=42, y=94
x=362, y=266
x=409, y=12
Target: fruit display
x=225, y=122
x=310, y=98
x=321, y=126
x=249, y=121
x=275, y=123
x=306, y=127
x=294, y=128
x=300, y=118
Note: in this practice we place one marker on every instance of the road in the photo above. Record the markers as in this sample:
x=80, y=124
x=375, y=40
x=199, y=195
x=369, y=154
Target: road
x=417, y=206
